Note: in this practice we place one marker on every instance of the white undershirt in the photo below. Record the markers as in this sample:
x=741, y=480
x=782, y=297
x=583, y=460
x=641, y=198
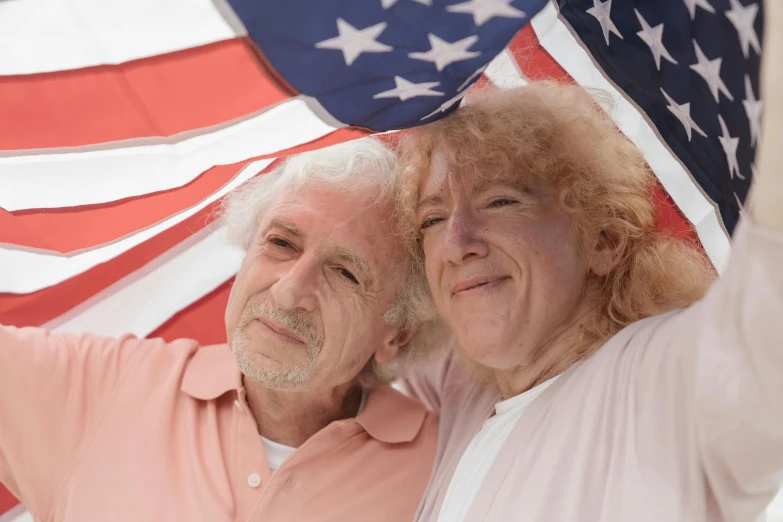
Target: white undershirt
x=276, y=453
x=481, y=453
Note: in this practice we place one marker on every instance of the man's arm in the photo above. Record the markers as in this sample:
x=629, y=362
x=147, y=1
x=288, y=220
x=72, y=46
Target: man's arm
x=54, y=389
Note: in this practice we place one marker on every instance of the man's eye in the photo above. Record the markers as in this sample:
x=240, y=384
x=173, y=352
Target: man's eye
x=280, y=242
x=348, y=275
x=501, y=202
x=429, y=222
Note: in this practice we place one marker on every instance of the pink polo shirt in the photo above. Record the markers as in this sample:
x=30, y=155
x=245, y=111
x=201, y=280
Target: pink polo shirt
x=97, y=429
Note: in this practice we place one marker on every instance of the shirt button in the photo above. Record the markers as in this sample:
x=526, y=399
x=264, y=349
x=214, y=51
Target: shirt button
x=254, y=480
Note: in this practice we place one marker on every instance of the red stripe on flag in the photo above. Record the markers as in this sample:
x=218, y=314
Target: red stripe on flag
x=37, y=308
x=158, y=96
x=203, y=320
x=7, y=500
x=70, y=229
x=537, y=64
x=75, y=228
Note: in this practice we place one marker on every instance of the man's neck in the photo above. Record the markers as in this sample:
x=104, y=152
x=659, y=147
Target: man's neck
x=553, y=358
x=291, y=418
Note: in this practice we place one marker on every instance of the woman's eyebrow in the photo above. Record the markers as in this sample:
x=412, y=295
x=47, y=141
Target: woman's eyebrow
x=513, y=184
x=429, y=201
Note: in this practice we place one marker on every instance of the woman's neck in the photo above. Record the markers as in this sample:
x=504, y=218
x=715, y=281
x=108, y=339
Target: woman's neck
x=562, y=351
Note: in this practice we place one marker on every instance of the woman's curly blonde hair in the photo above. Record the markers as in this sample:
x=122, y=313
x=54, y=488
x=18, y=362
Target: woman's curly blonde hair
x=562, y=136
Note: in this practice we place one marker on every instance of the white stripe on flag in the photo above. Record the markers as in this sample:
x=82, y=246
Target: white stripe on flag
x=144, y=300
x=52, y=35
x=700, y=210
x=16, y=514
x=504, y=72
x=23, y=271
x=68, y=179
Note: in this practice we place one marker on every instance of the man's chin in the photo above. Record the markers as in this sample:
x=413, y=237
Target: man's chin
x=265, y=371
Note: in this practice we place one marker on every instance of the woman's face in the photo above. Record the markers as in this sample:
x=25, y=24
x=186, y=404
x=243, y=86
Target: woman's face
x=502, y=261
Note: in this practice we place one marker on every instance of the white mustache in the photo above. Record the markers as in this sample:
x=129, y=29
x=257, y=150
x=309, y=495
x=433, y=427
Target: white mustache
x=298, y=322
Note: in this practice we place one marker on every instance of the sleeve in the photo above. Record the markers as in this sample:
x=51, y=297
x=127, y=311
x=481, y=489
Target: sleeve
x=722, y=371
x=426, y=383
x=54, y=389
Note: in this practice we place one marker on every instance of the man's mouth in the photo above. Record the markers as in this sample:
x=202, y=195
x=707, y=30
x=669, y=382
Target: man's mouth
x=283, y=332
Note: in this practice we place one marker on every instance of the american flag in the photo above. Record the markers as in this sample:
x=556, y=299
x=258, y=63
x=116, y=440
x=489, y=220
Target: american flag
x=123, y=124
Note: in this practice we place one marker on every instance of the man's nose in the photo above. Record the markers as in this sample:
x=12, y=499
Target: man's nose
x=294, y=288
x=464, y=239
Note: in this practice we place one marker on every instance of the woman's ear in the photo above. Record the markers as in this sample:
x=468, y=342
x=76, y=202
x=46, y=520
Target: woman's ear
x=608, y=252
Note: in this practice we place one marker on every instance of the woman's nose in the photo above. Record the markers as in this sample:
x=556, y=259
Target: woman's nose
x=464, y=238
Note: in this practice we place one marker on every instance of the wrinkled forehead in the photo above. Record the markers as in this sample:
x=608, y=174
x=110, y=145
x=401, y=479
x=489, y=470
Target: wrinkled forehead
x=352, y=224
x=445, y=172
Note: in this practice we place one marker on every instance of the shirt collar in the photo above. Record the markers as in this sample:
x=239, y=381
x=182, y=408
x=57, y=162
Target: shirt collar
x=211, y=372
x=390, y=416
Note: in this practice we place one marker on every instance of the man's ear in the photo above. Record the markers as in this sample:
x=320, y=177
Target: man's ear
x=608, y=252
x=392, y=345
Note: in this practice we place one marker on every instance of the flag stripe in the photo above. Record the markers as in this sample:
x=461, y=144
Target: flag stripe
x=202, y=320
x=177, y=279
x=16, y=514
x=159, y=96
x=37, y=308
x=51, y=35
x=504, y=72
x=80, y=228
x=109, y=175
x=35, y=271
x=558, y=41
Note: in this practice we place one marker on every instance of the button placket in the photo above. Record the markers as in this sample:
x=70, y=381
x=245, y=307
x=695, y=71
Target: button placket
x=254, y=480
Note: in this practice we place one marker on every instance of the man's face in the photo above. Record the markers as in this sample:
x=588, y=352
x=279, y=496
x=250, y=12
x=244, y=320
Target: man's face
x=502, y=262
x=306, y=308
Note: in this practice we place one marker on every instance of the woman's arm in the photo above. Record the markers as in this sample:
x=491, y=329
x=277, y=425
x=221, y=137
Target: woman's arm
x=767, y=196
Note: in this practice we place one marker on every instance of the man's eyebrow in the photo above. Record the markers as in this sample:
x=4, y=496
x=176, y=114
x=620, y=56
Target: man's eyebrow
x=358, y=263
x=435, y=199
x=285, y=225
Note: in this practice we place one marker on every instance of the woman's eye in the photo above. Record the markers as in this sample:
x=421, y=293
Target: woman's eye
x=280, y=242
x=501, y=202
x=348, y=275
x=429, y=222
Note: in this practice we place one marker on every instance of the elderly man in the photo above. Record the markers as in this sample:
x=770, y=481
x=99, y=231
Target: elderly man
x=288, y=421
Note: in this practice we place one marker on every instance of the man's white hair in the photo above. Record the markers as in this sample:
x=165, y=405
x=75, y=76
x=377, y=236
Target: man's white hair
x=355, y=165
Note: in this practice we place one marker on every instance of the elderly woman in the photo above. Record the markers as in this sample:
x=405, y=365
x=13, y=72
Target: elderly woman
x=610, y=376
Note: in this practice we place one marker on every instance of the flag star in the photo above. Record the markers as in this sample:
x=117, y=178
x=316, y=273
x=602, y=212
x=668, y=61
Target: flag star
x=445, y=105
x=386, y=4
x=444, y=53
x=743, y=18
x=653, y=37
x=485, y=10
x=600, y=11
x=693, y=4
x=729, y=145
x=353, y=42
x=683, y=113
x=710, y=71
x=752, y=111
x=739, y=205
x=406, y=90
